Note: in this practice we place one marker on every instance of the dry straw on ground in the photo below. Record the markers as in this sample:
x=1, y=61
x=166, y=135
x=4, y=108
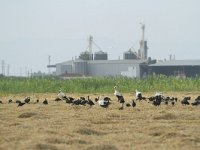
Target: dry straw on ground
x=59, y=126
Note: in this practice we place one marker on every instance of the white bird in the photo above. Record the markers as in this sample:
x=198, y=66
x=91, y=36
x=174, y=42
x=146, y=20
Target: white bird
x=119, y=96
x=138, y=94
x=158, y=94
x=103, y=102
x=117, y=93
x=61, y=95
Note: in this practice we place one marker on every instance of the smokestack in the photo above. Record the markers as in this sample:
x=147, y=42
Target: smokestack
x=143, y=44
x=90, y=47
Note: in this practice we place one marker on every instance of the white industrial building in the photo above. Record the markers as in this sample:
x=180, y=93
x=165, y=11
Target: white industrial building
x=134, y=64
x=129, y=68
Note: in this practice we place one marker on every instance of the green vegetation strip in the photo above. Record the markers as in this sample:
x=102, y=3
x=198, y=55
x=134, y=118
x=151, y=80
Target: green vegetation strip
x=97, y=85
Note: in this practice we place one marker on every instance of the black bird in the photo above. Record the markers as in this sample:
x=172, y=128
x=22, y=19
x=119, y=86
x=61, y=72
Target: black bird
x=152, y=98
x=196, y=102
x=76, y=102
x=158, y=100
x=80, y=101
x=18, y=101
x=45, y=102
x=198, y=98
x=58, y=99
x=10, y=101
x=69, y=100
x=90, y=102
x=128, y=104
x=83, y=102
x=96, y=99
x=122, y=101
x=185, y=101
x=166, y=102
x=27, y=100
x=133, y=103
x=1, y=102
x=82, y=98
x=144, y=98
x=107, y=98
x=120, y=98
x=20, y=104
x=173, y=103
x=173, y=100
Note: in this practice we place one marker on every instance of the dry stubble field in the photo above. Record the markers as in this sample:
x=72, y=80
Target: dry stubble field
x=59, y=126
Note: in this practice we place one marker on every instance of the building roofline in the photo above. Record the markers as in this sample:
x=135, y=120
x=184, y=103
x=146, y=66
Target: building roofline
x=135, y=61
x=177, y=63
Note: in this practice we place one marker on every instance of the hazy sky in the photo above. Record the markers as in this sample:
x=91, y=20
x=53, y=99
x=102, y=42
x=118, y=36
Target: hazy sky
x=30, y=30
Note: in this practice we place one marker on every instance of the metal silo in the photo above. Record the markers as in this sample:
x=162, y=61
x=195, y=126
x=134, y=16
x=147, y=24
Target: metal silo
x=86, y=56
x=100, y=55
x=130, y=55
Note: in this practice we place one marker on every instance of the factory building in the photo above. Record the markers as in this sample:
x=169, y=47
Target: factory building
x=131, y=68
x=183, y=68
x=97, y=68
x=134, y=64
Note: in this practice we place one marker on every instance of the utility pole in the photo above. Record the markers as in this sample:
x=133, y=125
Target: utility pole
x=26, y=72
x=3, y=67
x=49, y=60
x=20, y=72
x=8, y=70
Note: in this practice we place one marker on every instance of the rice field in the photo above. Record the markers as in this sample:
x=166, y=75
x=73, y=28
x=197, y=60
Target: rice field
x=59, y=126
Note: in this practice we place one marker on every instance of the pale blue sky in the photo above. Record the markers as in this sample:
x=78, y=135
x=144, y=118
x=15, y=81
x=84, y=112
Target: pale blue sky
x=30, y=30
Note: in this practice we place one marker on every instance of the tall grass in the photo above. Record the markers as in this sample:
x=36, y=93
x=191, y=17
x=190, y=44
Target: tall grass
x=97, y=85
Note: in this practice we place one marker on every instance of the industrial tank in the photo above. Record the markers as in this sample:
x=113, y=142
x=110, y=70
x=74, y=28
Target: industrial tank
x=100, y=55
x=86, y=56
x=130, y=55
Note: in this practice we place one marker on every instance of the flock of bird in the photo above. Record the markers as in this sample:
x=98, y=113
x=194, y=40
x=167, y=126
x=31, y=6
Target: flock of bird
x=26, y=101
x=105, y=101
